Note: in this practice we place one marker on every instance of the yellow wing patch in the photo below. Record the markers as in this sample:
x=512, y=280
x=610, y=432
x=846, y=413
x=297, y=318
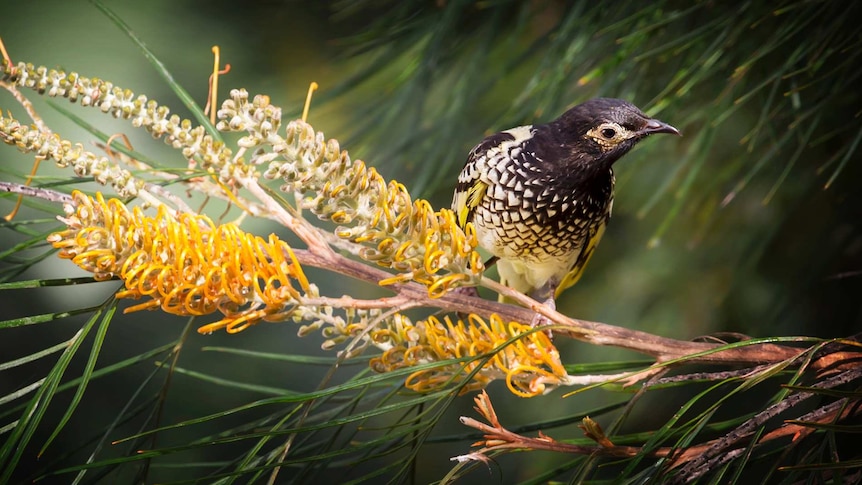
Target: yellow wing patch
x=467, y=201
x=578, y=269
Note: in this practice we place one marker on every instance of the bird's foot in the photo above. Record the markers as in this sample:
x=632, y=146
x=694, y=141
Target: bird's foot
x=541, y=320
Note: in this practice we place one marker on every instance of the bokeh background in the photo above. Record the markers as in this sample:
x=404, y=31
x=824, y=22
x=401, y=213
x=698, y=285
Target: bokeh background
x=749, y=223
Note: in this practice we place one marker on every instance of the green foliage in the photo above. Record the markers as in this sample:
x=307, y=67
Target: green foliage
x=762, y=189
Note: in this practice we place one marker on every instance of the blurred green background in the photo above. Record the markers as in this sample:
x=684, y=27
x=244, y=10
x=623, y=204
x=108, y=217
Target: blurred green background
x=728, y=229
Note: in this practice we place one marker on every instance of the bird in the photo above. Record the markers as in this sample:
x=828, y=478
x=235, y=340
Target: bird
x=540, y=196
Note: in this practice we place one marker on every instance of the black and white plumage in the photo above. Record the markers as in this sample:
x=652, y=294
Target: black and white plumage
x=539, y=196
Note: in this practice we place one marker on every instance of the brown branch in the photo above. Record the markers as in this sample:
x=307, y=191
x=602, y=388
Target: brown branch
x=693, y=462
x=704, y=458
x=662, y=348
x=806, y=424
x=497, y=437
x=46, y=194
x=27, y=105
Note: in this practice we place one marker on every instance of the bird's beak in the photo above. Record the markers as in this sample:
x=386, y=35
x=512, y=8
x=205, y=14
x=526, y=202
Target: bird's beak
x=656, y=126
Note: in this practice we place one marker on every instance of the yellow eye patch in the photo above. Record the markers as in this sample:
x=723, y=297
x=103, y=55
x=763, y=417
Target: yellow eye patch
x=609, y=135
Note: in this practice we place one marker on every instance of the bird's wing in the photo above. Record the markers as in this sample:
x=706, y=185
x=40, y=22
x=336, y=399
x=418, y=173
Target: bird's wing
x=467, y=199
x=574, y=274
x=474, y=179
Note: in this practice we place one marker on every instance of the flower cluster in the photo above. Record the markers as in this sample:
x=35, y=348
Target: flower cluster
x=186, y=264
x=395, y=231
x=66, y=154
x=526, y=358
x=181, y=134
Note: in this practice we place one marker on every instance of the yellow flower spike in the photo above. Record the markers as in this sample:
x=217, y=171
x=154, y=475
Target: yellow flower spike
x=417, y=382
x=117, y=225
x=85, y=258
x=215, y=286
x=551, y=358
x=275, y=317
x=529, y=364
x=398, y=187
x=474, y=321
x=361, y=174
x=143, y=285
x=394, y=358
x=186, y=264
x=433, y=336
x=387, y=205
x=81, y=240
x=260, y=287
x=425, y=381
x=174, y=302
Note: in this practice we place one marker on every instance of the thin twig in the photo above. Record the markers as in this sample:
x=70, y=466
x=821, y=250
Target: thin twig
x=697, y=464
x=46, y=194
x=27, y=105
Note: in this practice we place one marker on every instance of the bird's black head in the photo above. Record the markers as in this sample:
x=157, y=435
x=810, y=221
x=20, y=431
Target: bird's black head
x=604, y=129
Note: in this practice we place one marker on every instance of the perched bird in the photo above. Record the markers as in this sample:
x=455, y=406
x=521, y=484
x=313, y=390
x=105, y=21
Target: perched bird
x=539, y=196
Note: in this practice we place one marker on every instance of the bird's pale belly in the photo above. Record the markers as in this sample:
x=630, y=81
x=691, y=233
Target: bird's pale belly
x=529, y=255
x=507, y=236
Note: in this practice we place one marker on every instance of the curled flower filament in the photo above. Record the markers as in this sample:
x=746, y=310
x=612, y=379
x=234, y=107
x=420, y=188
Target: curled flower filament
x=185, y=265
x=395, y=230
x=525, y=358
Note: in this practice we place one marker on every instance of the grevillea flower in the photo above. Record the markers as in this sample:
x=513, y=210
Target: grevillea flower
x=185, y=265
x=193, y=140
x=526, y=358
x=393, y=230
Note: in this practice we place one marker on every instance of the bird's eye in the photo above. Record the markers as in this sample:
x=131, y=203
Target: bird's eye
x=608, y=134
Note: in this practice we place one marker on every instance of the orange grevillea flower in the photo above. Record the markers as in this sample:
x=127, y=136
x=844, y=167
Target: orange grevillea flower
x=185, y=265
x=530, y=364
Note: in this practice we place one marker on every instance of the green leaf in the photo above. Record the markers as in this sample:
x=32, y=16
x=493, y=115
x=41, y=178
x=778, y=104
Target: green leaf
x=109, y=311
x=180, y=91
